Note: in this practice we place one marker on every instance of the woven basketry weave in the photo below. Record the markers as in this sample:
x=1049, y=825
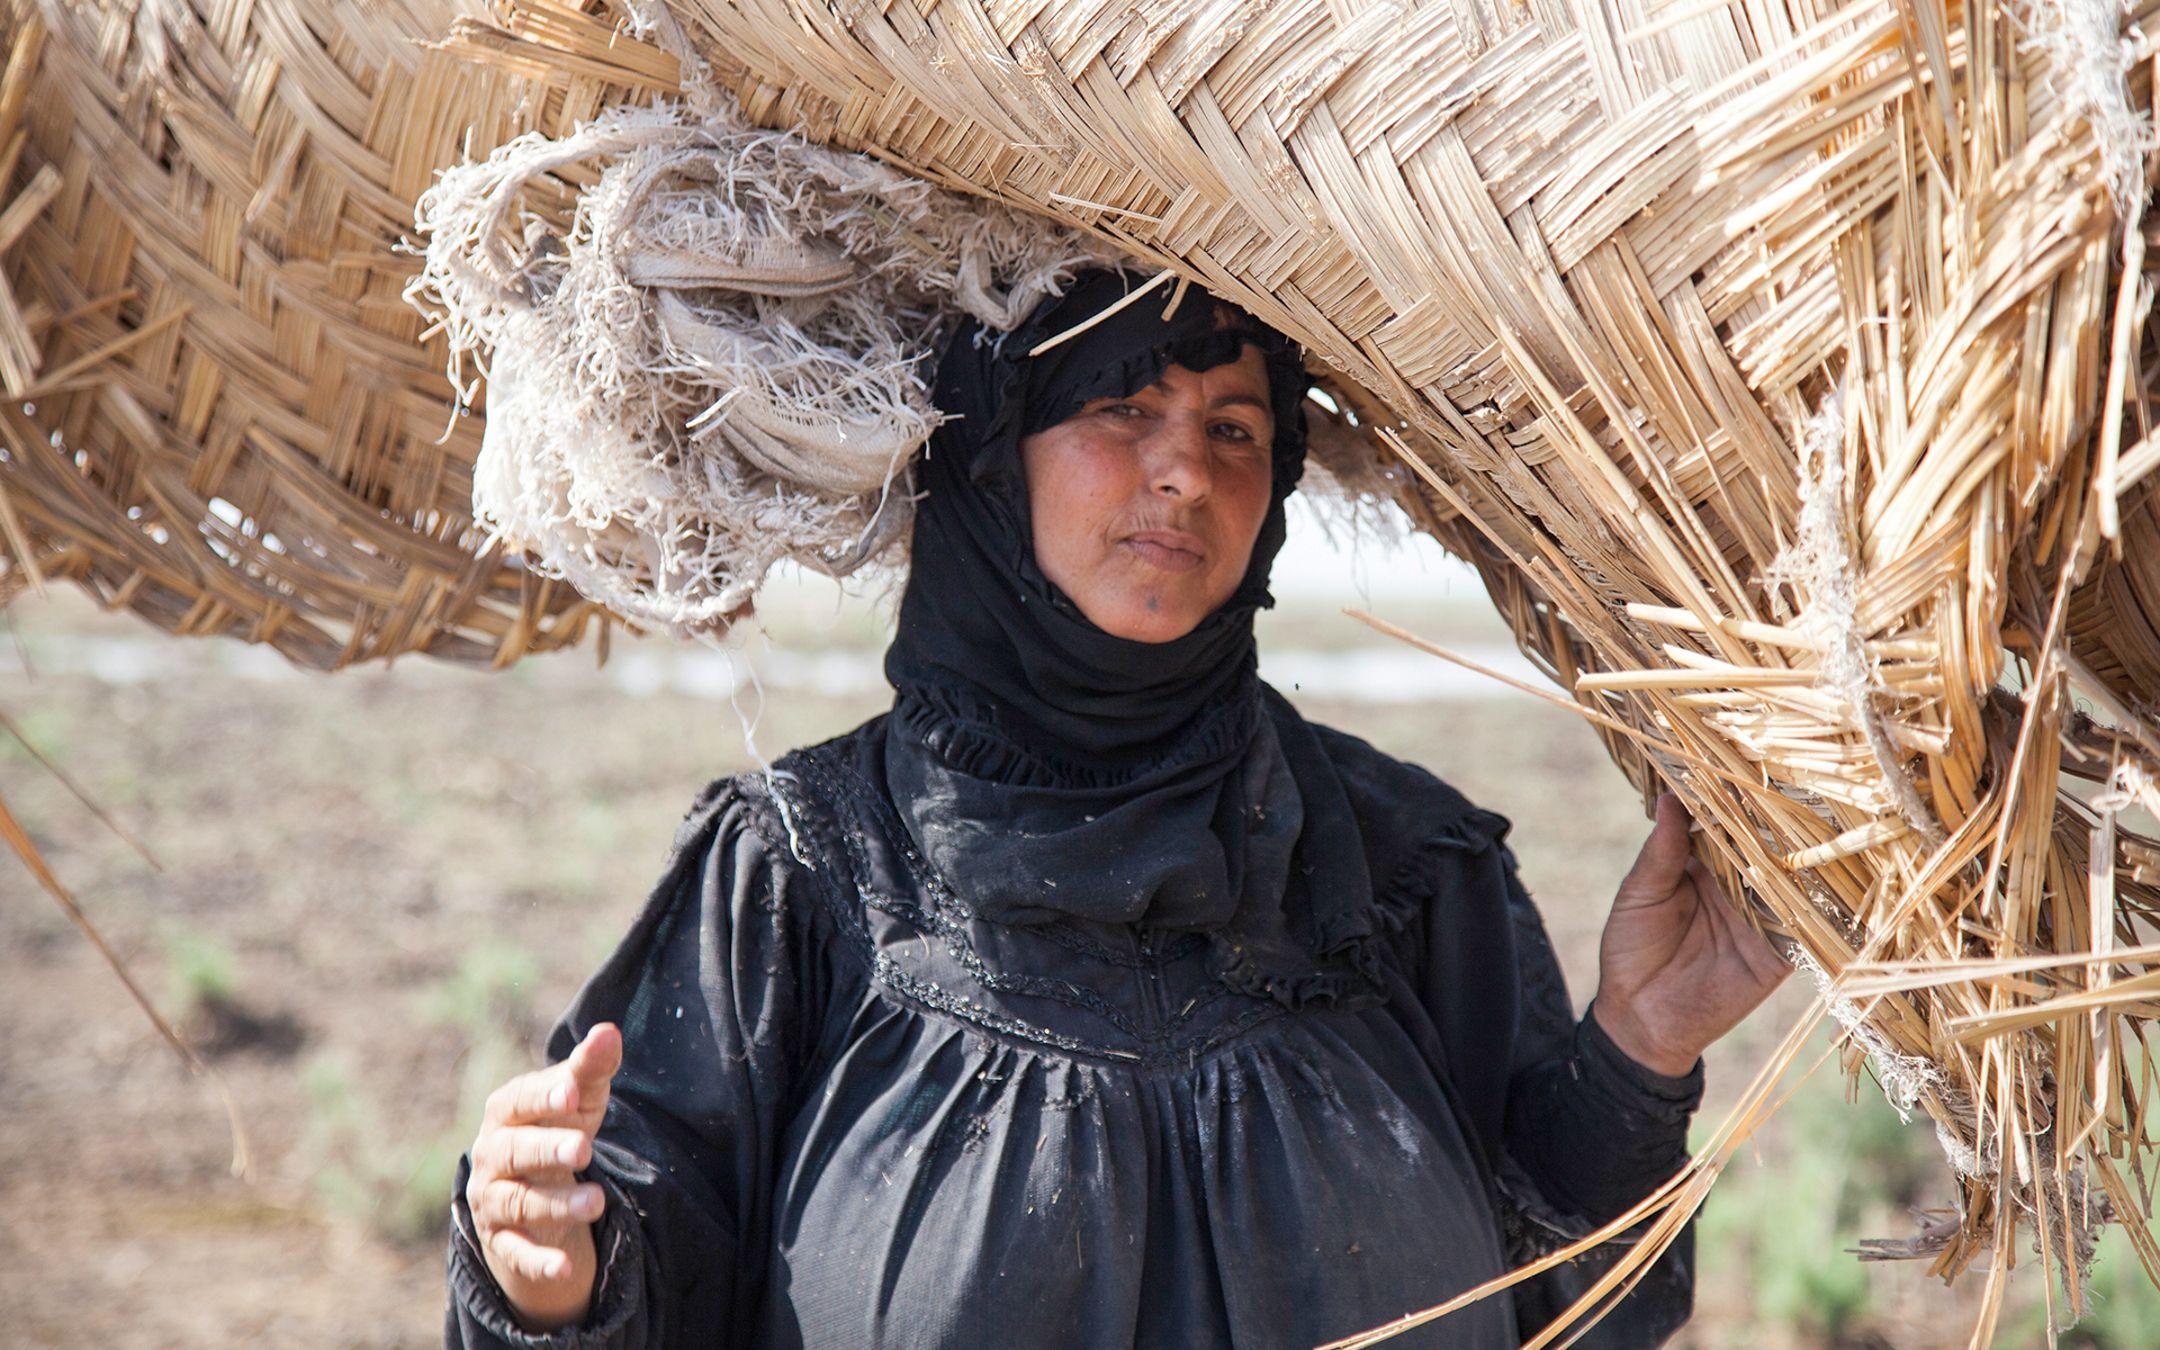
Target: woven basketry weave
x=219, y=412
x=1780, y=364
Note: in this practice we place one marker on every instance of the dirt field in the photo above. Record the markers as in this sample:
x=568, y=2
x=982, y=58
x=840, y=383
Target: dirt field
x=378, y=888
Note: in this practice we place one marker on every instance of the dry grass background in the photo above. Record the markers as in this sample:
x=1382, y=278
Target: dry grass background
x=379, y=888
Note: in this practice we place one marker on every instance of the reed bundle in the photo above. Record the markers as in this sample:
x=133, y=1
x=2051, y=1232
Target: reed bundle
x=1781, y=364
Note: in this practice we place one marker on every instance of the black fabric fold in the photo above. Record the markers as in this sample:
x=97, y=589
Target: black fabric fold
x=842, y=1100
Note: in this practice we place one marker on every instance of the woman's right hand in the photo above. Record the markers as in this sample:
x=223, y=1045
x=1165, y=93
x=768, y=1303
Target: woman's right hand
x=533, y=1217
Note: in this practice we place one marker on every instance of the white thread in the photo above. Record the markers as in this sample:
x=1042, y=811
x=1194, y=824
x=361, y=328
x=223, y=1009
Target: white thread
x=2090, y=59
x=1818, y=564
x=1904, y=1077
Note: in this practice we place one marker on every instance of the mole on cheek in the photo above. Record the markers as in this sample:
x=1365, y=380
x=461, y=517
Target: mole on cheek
x=1154, y=604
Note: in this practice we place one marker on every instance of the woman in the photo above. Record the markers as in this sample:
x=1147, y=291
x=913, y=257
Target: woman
x=1092, y=996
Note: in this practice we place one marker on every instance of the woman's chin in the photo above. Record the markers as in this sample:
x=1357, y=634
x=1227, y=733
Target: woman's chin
x=1155, y=618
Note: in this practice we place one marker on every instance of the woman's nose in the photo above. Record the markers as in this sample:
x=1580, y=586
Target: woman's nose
x=1177, y=463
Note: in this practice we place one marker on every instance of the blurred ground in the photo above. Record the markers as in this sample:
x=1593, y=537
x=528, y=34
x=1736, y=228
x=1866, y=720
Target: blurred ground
x=379, y=887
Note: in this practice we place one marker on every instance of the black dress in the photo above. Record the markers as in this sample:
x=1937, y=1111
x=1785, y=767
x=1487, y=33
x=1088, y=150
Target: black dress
x=852, y=1113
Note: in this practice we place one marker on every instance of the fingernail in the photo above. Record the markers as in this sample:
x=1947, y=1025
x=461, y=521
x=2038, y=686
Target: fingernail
x=559, y=1097
x=567, y=1154
x=586, y=1203
x=557, y=1267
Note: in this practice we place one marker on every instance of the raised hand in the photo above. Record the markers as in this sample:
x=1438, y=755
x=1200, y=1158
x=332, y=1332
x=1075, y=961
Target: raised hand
x=1677, y=968
x=533, y=1217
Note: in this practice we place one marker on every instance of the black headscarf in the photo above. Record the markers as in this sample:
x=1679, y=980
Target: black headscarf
x=1047, y=768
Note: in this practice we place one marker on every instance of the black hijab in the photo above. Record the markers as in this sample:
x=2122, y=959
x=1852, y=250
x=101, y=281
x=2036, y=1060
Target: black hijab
x=1048, y=769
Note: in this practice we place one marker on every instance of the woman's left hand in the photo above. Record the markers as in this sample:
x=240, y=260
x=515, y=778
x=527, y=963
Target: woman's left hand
x=1677, y=967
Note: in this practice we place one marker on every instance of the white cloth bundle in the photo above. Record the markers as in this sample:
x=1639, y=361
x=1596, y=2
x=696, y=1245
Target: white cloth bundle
x=720, y=364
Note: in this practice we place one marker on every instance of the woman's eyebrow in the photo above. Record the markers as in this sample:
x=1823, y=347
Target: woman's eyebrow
x=1158, y=387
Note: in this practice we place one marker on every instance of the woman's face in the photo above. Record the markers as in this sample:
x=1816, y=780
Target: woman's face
x=1146, y=507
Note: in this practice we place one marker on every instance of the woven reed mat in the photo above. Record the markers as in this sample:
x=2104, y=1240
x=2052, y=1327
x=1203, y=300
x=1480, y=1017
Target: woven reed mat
x=1781, y=365
x=218, y=410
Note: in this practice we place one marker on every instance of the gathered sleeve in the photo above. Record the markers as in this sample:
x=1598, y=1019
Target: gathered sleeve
x=713, y=989
x=1573, y=1131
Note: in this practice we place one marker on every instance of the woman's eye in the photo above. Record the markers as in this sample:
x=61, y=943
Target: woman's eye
x=1231, y=431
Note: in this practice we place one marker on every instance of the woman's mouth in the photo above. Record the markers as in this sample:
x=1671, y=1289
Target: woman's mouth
x=1169, y=550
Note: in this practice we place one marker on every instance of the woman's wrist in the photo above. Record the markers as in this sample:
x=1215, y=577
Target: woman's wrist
x=1633, y=1038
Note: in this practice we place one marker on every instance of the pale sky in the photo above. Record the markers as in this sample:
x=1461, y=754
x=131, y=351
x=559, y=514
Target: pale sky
x=1315, y=564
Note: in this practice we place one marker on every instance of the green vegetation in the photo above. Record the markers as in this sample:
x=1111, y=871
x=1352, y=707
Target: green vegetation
x=2123, y=1308
x=487, y=995
x=399, y=1188
x=396, y=1187
x=1785, y=1220
x=200, y=973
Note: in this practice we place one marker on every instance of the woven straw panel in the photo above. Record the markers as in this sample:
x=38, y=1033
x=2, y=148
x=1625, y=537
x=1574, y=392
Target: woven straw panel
x=1770, y=359
x=218, y=411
